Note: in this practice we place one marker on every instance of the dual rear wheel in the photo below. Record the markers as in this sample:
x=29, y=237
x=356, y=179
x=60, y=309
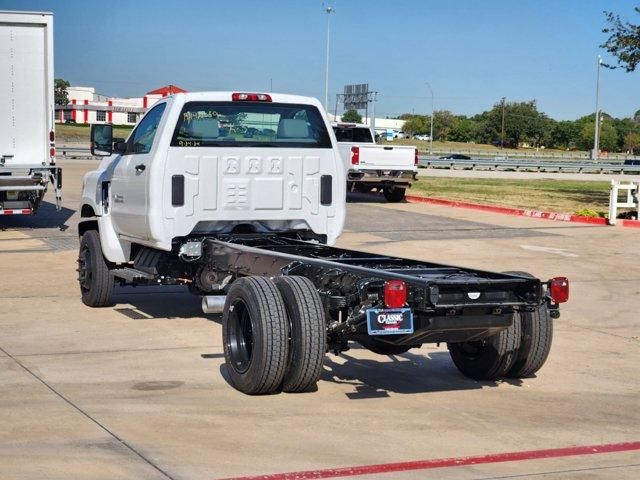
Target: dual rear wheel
x=517, y=352
x=274, y=335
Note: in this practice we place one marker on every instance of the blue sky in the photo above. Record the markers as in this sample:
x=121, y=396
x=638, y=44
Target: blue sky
x=471, y=52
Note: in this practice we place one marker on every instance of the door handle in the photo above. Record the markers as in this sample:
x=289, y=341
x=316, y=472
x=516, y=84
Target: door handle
x=140, y=168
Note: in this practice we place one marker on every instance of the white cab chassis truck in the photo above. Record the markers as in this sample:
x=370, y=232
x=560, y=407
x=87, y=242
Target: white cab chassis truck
x=239, y=196
x=389, y=169
x=27, y=136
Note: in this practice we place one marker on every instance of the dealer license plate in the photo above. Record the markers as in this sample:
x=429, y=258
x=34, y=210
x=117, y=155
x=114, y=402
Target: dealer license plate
x=396, y=321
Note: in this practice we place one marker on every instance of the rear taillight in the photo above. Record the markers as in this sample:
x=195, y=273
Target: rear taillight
x=395, y=293
x=559, y=289
x=52, y=136
x=355, y=155
x=415, y=158
x=250, y=97
x=52, y=152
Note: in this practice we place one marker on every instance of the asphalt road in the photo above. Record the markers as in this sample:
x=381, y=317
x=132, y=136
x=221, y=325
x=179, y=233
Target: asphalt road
x=139, y=390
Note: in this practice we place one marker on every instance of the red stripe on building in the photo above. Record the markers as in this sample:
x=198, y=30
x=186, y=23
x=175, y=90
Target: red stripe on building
x=449, y=462
x=73, y=112
x=86, y=112
x=110, y=113
x=144, y=102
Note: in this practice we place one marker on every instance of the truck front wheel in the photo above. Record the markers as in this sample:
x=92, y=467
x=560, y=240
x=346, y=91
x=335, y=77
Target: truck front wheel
x=394, y=194
x=490, y=358
x=96, y=281
x=255, y=335
x=308, y=333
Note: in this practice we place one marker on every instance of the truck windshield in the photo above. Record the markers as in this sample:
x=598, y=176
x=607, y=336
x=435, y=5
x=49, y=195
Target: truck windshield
x=250, y=124
x=353, y=134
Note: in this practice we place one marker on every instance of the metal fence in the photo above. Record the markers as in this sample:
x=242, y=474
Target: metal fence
x=529, y=165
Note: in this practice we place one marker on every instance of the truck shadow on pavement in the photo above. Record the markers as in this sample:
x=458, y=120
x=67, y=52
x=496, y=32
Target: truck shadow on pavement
x=406, y=374
x=145, y=303
x=373, y=197
x=47, y=217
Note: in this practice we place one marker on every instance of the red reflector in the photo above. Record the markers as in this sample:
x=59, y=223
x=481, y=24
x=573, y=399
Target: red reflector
x=415, y=159
x=52, y=152
x=355, y=156
x=395, y=293
x=250, y=97
x=559, y=289
x=52, y=136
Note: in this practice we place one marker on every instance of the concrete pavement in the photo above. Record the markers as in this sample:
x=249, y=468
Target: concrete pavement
x=139, y=390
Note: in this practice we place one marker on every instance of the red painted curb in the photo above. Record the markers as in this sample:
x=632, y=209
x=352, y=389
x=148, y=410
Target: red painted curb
x=559, y=217
x=449, y=462
x=631, y=223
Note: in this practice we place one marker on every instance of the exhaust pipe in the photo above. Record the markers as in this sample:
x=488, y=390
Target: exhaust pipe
x=213, y=303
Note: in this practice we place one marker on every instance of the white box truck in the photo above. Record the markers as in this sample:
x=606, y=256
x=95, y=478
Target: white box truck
x=27, y=135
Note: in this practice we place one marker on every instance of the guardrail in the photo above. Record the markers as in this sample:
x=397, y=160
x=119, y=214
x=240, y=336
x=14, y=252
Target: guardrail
x=73, y=151
x=522, y=165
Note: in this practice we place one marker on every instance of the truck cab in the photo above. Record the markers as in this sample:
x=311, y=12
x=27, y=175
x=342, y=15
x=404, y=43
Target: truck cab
x=216, y=162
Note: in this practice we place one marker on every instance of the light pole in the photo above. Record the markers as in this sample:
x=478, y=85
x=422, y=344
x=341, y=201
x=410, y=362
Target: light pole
x=431, y=132
x=596, y=139
x=329, y=11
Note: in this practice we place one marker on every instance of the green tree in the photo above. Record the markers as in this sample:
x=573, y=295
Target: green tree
x=632, y=142
x=564, y=134
x=623, y=42
x=416, y=124
x=352, y=116
x=465, y=130
x=636, y=117
x=522, y=123
x=61, y=96
x=608, y=140
x=444, y=122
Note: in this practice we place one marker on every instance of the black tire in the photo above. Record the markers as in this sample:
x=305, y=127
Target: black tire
x=95, y=279
x=255, y=335
x=362, y=187
x=535, y=341
x=394, y=194
x=382, y=348
x=490, y=358
x=308, y=333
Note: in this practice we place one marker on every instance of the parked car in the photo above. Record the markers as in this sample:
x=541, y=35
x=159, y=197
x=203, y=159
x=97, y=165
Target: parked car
x=424, y=137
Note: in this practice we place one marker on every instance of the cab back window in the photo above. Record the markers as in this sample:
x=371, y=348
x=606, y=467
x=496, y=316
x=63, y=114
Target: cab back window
x=250, y=124
x=353, y=134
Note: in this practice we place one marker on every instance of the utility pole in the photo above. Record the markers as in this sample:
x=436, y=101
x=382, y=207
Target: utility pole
x=372, y=122
x=502, y=131
x=431, y=132
x=596, y=139
x=329, y=11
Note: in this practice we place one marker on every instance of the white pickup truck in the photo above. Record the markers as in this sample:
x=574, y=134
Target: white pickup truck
x=237, y=196
x=390, y=169
x=27, y=136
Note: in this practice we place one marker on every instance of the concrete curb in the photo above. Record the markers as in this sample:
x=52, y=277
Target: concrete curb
x=558, y=217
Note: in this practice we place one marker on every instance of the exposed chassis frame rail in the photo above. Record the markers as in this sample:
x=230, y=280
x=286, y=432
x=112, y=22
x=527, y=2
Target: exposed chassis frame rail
x=449, y=303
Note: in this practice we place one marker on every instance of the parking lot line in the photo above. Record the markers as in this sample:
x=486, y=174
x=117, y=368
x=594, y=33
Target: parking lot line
x=449, y=462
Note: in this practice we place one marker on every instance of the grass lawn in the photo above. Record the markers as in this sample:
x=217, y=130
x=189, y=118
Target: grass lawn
x=463, y=147
x=561, y=196
x=78, y=133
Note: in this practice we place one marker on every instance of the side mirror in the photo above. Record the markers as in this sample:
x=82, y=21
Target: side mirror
x=101, y=140
x=120, y=145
